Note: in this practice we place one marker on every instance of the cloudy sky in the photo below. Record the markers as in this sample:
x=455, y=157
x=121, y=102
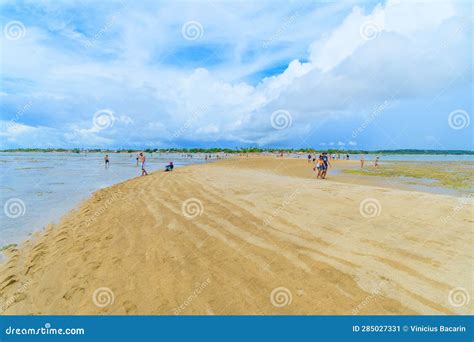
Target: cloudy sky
x=112, y=74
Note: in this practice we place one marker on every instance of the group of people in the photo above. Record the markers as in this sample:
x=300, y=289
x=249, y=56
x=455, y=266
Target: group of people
x=321, y=164
x=141, y=159
x=362, y=162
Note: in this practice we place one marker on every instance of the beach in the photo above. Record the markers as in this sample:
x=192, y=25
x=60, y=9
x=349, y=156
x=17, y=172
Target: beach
x=251, y=235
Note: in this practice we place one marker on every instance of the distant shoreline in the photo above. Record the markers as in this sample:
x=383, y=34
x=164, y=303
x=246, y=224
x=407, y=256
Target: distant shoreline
x=245, y=150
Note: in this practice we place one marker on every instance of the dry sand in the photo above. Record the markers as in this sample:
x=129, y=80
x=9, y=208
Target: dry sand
x=247, y=236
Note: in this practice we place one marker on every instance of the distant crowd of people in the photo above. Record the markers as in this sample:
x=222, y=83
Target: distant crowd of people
x=141, y=159
x=323, y=162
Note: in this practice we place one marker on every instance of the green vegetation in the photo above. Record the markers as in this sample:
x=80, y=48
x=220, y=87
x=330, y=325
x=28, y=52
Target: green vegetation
x=244, y=150
x=8, y=246
x=455, y=176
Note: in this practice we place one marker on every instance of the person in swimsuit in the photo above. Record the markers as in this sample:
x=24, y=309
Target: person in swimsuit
x=319, y=165
x=325, y=165
x=143, y=159
x=376, y=162
x=362, y=160
x=106, y=160
x=309, y=158
x=169, y=167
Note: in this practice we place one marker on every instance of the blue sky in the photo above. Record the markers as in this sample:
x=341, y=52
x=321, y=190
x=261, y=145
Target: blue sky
x=137, y=74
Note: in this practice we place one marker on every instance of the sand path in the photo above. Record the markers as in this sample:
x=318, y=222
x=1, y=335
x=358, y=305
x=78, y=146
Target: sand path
x=221, y=238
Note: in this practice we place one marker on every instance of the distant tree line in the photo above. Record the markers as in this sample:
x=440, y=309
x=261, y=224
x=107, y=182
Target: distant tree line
x=241, y=150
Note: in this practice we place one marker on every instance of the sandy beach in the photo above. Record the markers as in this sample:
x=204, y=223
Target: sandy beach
x=257, y=235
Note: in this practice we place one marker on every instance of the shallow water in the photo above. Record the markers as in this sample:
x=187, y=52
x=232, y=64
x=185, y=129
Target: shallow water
x=404, y=157
x=38, y=188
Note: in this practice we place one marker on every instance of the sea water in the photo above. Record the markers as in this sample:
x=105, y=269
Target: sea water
x=38, y=188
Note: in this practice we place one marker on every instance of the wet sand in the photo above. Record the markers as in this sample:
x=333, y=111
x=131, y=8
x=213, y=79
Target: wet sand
x=256, y=235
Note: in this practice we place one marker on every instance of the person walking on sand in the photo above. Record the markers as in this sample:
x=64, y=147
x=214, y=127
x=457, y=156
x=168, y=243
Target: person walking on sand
x=325, y=165
x=143, y=159
x=362, y=160
x=106, y=160
x=309, y=158
x=376, y=162
x=319, y=166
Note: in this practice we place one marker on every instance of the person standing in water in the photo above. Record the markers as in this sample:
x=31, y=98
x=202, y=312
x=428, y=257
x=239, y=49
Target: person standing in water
x=138, y=157
x=362, y=160
x=106, y=160
x=143, y=159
